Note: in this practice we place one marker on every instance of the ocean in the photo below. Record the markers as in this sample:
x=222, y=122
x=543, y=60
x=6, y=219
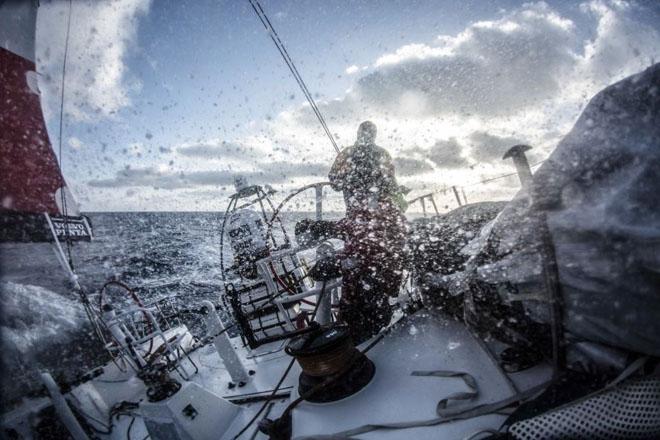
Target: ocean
x=159, y=254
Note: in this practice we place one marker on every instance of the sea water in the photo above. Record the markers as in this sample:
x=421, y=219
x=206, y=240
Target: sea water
x=159, y=254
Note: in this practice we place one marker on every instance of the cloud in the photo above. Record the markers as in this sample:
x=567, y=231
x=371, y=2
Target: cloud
x=98, y=83
x=528, y=60
x=621, y=46
x=487, y=147
x=446, y=109
x=213, y=150
x=460, y=101
x=491, y=68
x=447, y=154
x=151, y=177
x=350, y=70
x=75, y=143
x=271, y=173
x=406, y=166
x=478, y=147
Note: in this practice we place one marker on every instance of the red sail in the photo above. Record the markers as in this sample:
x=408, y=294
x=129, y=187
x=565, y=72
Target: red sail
x=29, y=173
x=31, y=183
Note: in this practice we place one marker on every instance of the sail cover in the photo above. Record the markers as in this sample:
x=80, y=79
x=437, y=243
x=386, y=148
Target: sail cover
x=601, y=186
x=31, y=183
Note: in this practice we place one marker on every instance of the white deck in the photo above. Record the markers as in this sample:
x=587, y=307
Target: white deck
x=424, y=341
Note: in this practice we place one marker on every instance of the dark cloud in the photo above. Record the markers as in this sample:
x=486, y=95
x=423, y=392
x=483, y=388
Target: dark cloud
x=486, y=147
x=213, y=150
x=271, y=173
x=406, y=166
x=499, y=68
x=493, y=72
x=480, y=146
x=447, y=153
x=278, y=172
x=130, y=177
x=492, y=68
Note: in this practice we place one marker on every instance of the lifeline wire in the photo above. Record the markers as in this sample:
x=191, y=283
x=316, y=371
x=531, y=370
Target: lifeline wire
x=256, y=6
x=499, y=177
x=490, y=179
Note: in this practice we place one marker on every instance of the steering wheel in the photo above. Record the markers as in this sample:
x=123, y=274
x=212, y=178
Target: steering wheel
x=287, y=199
x=148, y=328
x=283, y=203
x=131, y=292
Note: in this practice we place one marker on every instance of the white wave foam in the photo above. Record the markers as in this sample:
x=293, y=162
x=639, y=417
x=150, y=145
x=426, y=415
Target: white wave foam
x=33, y=314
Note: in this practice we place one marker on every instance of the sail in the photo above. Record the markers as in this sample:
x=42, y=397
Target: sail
x=31, y=183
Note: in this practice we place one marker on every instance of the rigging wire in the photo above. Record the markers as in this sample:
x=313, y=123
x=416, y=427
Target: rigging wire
x=261, y=14
x=60, y=133
x=63, y=199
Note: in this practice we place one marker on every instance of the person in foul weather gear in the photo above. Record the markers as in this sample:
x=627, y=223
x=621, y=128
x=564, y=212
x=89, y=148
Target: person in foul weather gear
x=364, y=171
x=374, y=234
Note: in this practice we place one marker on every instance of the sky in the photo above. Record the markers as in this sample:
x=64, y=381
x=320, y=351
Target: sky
x=166, y=102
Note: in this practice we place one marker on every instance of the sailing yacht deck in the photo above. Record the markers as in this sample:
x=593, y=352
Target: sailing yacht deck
x=424, y=341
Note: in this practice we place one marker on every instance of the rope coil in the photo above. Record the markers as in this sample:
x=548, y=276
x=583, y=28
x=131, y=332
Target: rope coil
x=330, y=362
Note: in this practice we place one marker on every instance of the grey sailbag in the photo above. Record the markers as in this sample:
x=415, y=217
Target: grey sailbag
x=599, y=191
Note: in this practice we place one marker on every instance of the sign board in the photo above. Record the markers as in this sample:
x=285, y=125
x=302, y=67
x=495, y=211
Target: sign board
x=71, y=228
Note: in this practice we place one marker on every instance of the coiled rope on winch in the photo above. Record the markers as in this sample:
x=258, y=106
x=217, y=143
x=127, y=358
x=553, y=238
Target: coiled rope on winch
x=330, y=362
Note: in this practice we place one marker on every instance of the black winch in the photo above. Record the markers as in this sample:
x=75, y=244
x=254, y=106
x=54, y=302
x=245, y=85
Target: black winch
x=160, y=385
x=332, y=367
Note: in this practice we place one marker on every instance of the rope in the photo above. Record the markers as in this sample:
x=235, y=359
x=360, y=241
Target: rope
x=284, y=375
x=128, y=430
x=337, y=374
x=268, y=400
x=327, y=364
x=261, y=14
x=468, y=379
x=448, y=417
